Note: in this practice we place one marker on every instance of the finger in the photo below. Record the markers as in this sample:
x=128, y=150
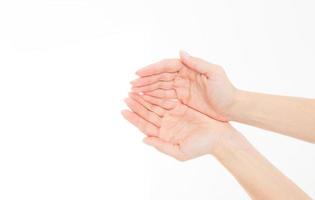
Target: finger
x=164, y=103
x=152, y=79
x=167, y=65
x=154, y=108
x=165, y=94
x=144, y=126
x=165, y=85
x=197, y=64
x=143, y=112
x=165, y=147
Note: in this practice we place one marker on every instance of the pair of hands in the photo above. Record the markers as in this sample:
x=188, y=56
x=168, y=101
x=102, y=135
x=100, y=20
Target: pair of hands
x=182, y=105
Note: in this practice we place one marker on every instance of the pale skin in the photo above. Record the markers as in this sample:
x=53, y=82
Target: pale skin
x=196, y=123
x=206, y=88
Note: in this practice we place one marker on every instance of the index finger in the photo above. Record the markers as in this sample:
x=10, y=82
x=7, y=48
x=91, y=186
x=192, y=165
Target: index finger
x=167, y=65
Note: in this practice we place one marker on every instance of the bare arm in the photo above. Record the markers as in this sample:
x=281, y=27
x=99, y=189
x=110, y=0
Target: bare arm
x=184, y=134
x=258, y=176
x=290, y=116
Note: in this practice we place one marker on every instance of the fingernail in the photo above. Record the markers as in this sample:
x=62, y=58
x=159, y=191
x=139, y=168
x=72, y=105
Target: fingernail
x=138, y=72
x=123, y=112
x=145, y=141
x=184, y=54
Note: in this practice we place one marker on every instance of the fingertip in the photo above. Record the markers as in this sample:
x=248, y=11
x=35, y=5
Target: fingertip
x=130, y=102
x=135, y=89
x=132, y=82
x=124, y=112
x=145, y=140
x=131, y=93
x=149, y=141
x=140, y=72
x=126, y=100
x=183, y=54
x=134, y=95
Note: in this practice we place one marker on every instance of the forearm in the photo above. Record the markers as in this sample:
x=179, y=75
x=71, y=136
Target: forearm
x=257, y=176
x=291, y=116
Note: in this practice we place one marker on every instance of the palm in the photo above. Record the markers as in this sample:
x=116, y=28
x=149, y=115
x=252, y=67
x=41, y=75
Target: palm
x=208, y=95
x=187, y=128
x=180, y=122
x=197, y=91
x=180, y=126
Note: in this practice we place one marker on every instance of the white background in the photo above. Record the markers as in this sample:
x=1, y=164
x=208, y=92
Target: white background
x=65, y=67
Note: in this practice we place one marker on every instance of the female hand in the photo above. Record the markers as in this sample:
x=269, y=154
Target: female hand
x=195, y=82
x=174, y=128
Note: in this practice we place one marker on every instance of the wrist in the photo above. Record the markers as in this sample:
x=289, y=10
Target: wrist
x=230, y=144
x=238, y=106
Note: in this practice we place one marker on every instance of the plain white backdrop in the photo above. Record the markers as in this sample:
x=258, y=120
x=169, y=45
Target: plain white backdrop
x=65, y=67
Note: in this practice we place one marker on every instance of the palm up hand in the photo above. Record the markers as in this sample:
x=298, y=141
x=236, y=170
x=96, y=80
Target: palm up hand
x=195, y=82
x=174, y=128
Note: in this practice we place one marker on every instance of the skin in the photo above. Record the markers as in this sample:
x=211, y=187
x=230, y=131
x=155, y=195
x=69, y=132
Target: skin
x=184, y=133
x=206, y=88
x=291, y=116
x=181, y=131
x=183, y=107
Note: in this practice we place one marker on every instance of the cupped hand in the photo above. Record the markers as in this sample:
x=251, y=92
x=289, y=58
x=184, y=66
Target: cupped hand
x=195, y=82
x=174, y=128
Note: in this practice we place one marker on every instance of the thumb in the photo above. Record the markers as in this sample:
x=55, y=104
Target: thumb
x=196, y=64
x=165, y=147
